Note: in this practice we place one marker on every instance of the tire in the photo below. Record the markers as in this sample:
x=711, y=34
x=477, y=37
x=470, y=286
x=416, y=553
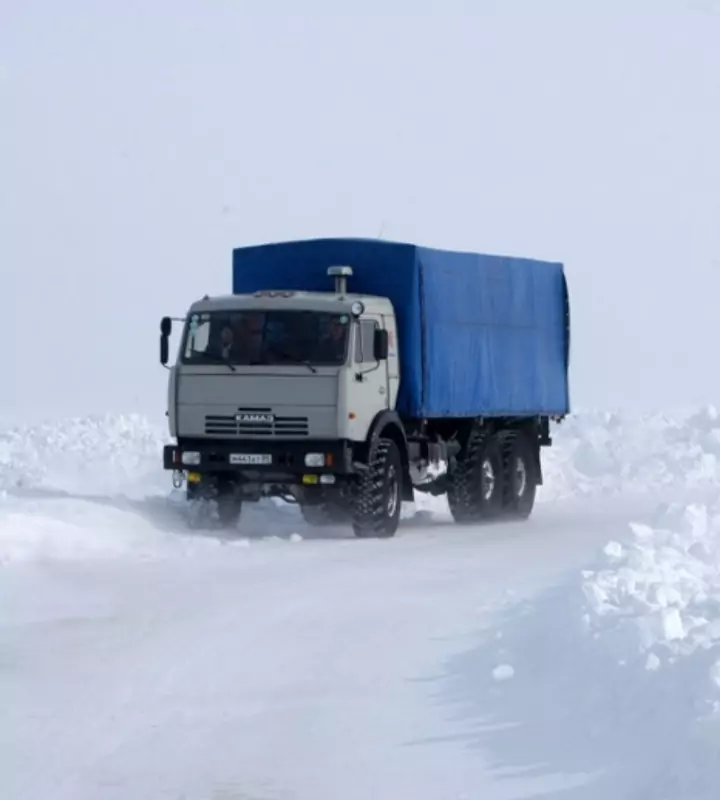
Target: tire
x=229, y=508
x=323, y=515
x=214, y=496
x=475, y=484
x=378, y=497
x=519, y=475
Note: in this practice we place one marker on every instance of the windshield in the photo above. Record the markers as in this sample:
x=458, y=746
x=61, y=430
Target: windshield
x=266, y=337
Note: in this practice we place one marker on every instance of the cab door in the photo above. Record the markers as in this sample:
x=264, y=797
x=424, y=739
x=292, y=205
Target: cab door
x=369, y=377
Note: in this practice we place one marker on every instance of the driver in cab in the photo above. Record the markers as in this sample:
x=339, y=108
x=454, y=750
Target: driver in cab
x=331, y=345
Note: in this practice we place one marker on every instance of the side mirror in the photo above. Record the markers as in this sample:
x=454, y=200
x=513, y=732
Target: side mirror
x=165, y=328
x=164, y=349
x=380, y=345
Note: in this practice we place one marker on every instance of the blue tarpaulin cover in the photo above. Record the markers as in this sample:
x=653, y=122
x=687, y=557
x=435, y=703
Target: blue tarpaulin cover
x=479, y=335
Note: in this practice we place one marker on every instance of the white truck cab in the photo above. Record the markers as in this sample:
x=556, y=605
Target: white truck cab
x=278, y=387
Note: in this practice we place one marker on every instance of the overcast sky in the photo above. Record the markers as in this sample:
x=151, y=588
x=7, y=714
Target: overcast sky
x=141, y=141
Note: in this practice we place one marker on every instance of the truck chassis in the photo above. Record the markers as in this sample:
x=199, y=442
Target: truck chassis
x=492, y=471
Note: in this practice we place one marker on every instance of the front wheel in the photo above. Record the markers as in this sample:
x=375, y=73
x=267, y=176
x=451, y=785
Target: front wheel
x=378, y=499
x=229, y=507
x=214, y=502
x=323, y=514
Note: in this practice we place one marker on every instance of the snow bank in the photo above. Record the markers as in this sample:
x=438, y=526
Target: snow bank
x=593, y=453
x=86, y=488
x=110, y=454
x=611, y=453
x=607, y=685
x=115, y=461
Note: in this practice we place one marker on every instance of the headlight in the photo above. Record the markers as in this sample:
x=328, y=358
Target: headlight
x=190, y=458
x=314, y=459
x=357, y=308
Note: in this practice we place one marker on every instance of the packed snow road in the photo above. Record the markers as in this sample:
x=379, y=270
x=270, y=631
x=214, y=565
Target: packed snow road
x=279, y=670
x=139, y=659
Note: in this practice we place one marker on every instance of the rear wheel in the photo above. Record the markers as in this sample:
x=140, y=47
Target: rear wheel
x=519, y=475
x=475, y=483
x=378, y=498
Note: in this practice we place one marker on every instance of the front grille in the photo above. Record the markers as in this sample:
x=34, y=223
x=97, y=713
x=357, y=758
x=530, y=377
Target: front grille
x=255, y=422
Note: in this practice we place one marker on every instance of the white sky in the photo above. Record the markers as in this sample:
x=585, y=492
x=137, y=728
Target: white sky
x=141, y=141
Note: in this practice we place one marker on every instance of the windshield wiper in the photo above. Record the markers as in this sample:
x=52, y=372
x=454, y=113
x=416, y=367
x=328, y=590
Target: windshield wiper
x=219, y=360
x=284, y=354
x=305, y=363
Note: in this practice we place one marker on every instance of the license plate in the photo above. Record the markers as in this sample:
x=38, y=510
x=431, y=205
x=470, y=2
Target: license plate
x=250, y=458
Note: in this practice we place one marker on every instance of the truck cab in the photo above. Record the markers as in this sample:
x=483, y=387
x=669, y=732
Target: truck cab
x=272, y=394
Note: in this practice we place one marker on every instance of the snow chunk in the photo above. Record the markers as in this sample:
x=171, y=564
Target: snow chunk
x=652, y=663
x=672, y=624
x=614, y=550
x=503, y=672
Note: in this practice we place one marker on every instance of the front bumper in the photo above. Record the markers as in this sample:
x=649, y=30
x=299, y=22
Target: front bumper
x=260, y=460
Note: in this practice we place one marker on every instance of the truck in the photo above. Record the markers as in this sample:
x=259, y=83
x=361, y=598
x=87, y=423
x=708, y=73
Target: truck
x=344, y=375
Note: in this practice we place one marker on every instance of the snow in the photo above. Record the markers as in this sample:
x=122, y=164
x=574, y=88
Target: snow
x=665, y=582
x=613, y=453
x=577, y=654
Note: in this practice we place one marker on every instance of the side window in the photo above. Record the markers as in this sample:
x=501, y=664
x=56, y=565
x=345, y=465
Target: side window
x=197, y=339
x=364, y=339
